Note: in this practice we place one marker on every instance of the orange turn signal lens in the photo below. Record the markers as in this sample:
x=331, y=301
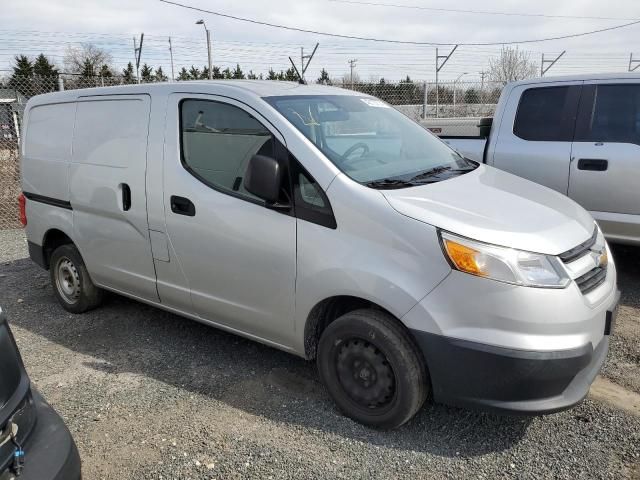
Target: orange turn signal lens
x=464, y=258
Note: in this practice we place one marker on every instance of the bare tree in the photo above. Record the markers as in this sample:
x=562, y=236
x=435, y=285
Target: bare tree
x=512, y=64
x=78, y=58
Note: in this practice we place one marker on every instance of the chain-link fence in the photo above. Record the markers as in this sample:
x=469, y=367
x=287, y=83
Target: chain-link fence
x=450, y=109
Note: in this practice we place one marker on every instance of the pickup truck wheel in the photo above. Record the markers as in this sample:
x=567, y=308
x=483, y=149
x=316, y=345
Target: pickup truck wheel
x=71, y=282
x=372, y=369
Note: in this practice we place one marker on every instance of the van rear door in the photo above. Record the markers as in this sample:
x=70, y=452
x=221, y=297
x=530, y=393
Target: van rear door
x=108, y=195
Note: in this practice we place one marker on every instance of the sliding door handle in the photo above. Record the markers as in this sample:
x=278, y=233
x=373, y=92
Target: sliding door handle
x=182, y=206
x=126, y=197
x=593, y=164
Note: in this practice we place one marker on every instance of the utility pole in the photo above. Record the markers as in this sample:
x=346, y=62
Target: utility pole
x=482, y=75
x=633, y=64
x=550, y=62
x=137, y=53
x=352, y=64
x=445, y=59
x=171, y=55
x=303, y=65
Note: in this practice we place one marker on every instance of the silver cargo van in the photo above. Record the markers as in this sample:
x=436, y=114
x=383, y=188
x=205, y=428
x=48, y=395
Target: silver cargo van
x=324, y=223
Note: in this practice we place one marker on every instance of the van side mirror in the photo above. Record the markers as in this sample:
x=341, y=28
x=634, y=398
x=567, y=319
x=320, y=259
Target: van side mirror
x=264, y=177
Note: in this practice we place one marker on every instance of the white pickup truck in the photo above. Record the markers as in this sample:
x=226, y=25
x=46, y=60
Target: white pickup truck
x=577, y=135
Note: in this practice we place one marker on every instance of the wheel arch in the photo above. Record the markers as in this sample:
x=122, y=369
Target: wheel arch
x=329, y=309
x=52, y=239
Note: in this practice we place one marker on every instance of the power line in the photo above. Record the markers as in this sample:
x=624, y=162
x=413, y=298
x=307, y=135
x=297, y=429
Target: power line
x=405, y=42
x=481, y=12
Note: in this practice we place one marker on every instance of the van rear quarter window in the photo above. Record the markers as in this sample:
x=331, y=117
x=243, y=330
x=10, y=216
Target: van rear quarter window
x=49, y=132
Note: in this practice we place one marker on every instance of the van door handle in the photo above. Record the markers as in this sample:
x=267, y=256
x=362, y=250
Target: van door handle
x=182, y=206
x=593, y=164
x=126, y=197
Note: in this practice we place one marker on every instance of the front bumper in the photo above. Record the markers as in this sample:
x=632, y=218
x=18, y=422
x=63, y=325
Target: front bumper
x=50, y=452
x=513, y=349
x=475, y=375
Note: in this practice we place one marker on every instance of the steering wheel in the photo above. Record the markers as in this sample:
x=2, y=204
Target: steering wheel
x=353, y=148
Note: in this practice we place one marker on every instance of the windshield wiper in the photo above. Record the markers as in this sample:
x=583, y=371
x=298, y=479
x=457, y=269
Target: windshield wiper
x=437, y=171
x=391, y=183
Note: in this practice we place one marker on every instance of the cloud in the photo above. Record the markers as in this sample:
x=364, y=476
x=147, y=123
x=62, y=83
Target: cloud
x=112, y=23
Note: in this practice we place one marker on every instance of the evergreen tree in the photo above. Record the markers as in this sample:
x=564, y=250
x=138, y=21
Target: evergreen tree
x=237, y=73
x=105, y=71
x=226, y=73
x=128, y=75
x=87, y=70
x=23, y=67
x=272, y=75
x=183, y=74
x=22, y=78
x=251, y=75
x=160, y=76
x=324, y=78
x=146, y=73
x=291, y=75
x=217, y=73
x=42, y=67
x=194, y=72
x=205, y=73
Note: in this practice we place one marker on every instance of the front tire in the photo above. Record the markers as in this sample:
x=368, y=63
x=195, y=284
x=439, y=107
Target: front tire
x=71, y=282
x=372, y=369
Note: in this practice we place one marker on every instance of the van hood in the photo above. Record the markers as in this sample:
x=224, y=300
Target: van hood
x=497, y=207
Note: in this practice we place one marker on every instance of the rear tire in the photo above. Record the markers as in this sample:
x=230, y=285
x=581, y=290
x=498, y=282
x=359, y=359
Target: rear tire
x=71, y=282
x=372, y=368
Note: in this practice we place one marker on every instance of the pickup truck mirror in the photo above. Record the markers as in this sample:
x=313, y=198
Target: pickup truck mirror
x=264, y=177
x=485, y=126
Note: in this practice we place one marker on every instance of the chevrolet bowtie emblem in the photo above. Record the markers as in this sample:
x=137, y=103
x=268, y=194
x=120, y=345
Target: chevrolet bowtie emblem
x=601, y=258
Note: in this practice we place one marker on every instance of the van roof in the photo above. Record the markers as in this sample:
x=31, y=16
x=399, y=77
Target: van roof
x=259, y=88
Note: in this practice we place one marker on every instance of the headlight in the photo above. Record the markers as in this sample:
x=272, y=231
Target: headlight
x=504, y=264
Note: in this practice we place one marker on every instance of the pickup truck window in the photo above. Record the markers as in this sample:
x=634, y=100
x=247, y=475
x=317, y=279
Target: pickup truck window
x=370, y=141
x=546, y=114
x=218, y=140
x=613, y=115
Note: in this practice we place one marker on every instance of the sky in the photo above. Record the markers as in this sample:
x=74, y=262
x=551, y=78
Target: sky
x=33, y=26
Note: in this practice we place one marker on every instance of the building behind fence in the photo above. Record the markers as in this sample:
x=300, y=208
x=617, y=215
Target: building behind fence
x=451, y=109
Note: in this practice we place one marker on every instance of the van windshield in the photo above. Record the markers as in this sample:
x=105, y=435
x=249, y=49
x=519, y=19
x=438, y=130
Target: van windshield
x=370, y=141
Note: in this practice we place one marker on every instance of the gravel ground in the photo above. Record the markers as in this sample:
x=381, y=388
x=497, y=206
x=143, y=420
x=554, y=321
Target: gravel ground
x=13, y=245
x=149, y=395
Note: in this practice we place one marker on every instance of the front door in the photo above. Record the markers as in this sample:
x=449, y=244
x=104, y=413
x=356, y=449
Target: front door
x=238, y=256
x=605, y=163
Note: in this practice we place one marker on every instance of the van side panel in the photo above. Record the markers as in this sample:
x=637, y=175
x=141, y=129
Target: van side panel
x=108, y=192
x=47, y=150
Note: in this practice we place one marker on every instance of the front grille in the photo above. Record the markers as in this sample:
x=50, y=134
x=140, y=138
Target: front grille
x=576, y=258
x=591, y=279
x=577, y=252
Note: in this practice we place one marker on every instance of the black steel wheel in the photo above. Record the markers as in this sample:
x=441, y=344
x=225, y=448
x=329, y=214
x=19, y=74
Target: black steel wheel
x=372, y=368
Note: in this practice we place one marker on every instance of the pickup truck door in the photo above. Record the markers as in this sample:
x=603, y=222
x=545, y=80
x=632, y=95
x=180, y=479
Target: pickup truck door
x=534, y=133
x=605, y=155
